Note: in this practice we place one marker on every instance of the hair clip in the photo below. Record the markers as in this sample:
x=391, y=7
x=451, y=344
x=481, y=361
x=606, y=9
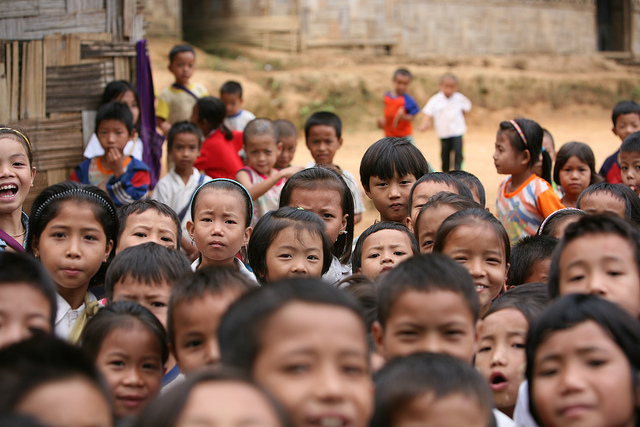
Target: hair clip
x=519, y=130
x=17, y=132
x=299, y=208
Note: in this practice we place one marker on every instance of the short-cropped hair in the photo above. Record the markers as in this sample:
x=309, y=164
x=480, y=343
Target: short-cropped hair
x=442, y=178
x=390, y=156
x=140, y=206
x=525, y=254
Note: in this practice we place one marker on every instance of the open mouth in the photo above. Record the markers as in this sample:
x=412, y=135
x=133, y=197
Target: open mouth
x=328, y=422
x=8, y=190
x=498, y=381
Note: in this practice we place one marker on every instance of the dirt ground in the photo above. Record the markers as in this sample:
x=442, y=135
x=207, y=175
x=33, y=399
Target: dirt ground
x=296, y=86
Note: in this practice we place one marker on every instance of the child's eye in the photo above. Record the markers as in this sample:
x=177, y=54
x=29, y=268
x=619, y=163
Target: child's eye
x=285, y=256
x=328, y=216
x=297, y=368
x=427, y=243
x=373, y=256
x=193, y=343
x=614, y=273
x=206, y=220
x=493, y=260
x=158, y=304
x=453, y=333
x=460, y=259
x=117, y=363
x=313, y=258
x=548, y=372
x=58, y=235
x=381, y=184
x=484, y=349
x=140, y=234
x=518, y=345
x=576, y=278
x=230, y=221
x=418, y=206
x=399, y=253
x=90, y=237
x=150, y=366
x=405, y=182
x=596, y=363
x=354, y=370
x=167, y=239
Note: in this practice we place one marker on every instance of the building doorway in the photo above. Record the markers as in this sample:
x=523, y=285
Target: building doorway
x=614, y=25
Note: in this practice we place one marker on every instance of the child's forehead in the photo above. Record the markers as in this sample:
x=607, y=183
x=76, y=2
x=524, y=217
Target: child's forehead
x=323, y=130
x=112, y=124
x=387, y=236
x=431, y=188
x=184, y=57
x=261, y=140
x=627, y=117
x=186, y=137
x=230, y=97
x=150, y=218
x=140, y=285
x=506, y=319
x=433, y=300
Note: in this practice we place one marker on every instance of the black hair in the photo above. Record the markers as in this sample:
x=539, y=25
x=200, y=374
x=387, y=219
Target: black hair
x=356, y=259
x=272, y=223
x=323, y=118
x=115, y=111
x=620, y=192
x=404, y=379
x=18, y=134
x=167, y=408
x=207, y=280
x=441, y=178
x=364, y=291
x=22, y=269
x=631, y=143
x=526, y=254
x=443, y=198
x=588, y=225
x=120, y=315
x=140, y=206
x=546, y=166
x=183, y=127
x=231, y=88
x=149, y=263
x=286, y=128
x=226, y=185
x=116, y=89
x=529, y=299
x=402, y=72
x=177, y=49
x=390, y=156
x=551, y=224
x=533, y=134
x=471, y=181
x=572, y=310
x=258, y=127
x=326, y=179
x=426, y=273
x=472, y=217
x=20, y=420
x=622, y=108
x=583, y=152
x=27, y=365
x=213, y=111
x=241, y=331
x=47, y=205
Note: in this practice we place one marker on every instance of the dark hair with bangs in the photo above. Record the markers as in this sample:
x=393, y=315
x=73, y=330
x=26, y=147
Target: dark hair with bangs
x=274, y=222
x=140, y=206
x=620, y=192
x=166, y=409
x=525, y=254
x=441, y=178
x=532, y=132
x=212, y=111
x=231, y=87
x=115, y=89
x=390, y=156
x=356, y=259
x=226, y=185
x=589, y=225
x=529, y=299
x=631, y=144
x=573, y=310
x=622, y=108
x=551, y=225
x=183, y=127
x=286, y=128
x=402, y=72
x=149, y=263
x=324, y=178
x=323, y=118
x=444, y=198
x=474, y=184
x=258, y=127
x=241, y=330
x=583, y=152
x=180, y=48
x=404, y=379
x=115, y=111
x=208, y=280
x=426, y=273
x=18, y=134
x=120, y=315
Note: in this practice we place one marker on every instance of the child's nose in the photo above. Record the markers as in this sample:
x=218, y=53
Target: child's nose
x=213, y=353
x=299, y=267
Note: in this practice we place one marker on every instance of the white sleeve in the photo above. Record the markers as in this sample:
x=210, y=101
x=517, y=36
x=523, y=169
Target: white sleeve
x=429, y=108
x=93, y=149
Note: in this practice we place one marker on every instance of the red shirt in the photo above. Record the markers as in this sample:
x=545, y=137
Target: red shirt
x=218, y=157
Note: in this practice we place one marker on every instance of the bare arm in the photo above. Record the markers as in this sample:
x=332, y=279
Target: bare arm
x=258, y=189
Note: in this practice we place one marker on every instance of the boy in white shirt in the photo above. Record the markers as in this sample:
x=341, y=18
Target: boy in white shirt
x=447, y=108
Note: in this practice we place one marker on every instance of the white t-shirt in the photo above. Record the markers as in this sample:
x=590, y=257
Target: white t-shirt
x=448, y=114
x=133, y=148
x=239, y=121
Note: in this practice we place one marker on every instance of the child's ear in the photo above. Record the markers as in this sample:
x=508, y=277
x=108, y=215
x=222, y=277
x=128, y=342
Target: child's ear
x=33, y=175
x=190, y=229
x=367, y=192
x=108, y=250
x=526, y=157
x=378, y=337
x=280, y=145
x=247, y=235
x=340, y=142
x=409, y=223
x=343, y=225
x=613, y=129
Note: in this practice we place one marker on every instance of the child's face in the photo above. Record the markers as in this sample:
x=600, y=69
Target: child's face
x=562, y=225
x=129, y=99
x=581, y=377
x=114, y=134
x=323, y=142
x=455, y=409
x=424, y=191
x=185, y=151
x=233, y=102
x=289, y=144
x=294, y=253
x=384, y=250
x=547, y=143
x=218, y=228
x=130, y=361
x=195, y=326
x=24, y=311
x=501, y=357
x=401, y=84
x=68, y=402
x=148, y=226
x=152, y=296
x=16, y=175
x=233, y=399
x=505, y=158
x=182, y=67
x=428, y=225
x=603, y=202
x=315, y=360
x=262, y=152
x=325, y=203
x=448, y=87
x=575, y=176
x=437, y=322
x=626, y=124
x=630, y=169
x=539, y=271
x=73, y=246
x=478, y=248
x=391, y=196
x=609, y=272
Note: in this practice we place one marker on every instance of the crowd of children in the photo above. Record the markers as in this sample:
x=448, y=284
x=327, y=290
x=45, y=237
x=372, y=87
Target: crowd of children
x=235, y=291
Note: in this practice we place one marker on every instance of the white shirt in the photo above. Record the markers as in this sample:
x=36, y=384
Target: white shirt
x=66, y=316
x=239, y=121
x=241, y=269
x=336, y=272
x=448, y=114
x=521, y=414
x=503, y=420
x=133, y=148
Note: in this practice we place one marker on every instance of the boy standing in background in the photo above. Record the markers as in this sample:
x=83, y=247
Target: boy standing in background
x=231, y=95
x=399, y=107
x=626, y=120
x=447, y=108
